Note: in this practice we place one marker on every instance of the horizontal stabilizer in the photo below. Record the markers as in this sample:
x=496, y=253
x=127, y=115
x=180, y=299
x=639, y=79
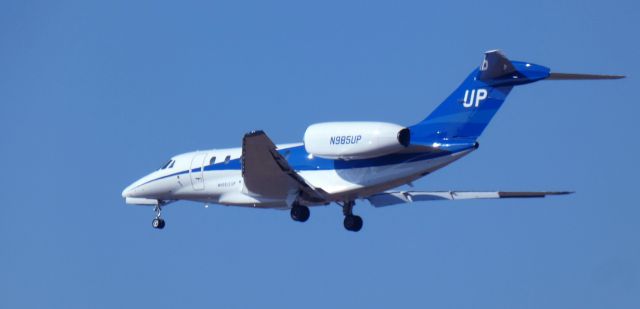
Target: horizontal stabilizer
x=494, y=65
x=403, y=197
x=574, y=76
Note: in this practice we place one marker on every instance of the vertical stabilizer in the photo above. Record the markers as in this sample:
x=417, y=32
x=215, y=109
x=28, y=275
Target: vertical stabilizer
x=468, y=110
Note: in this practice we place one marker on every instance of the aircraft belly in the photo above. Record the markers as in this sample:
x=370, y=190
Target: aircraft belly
x=348, y=180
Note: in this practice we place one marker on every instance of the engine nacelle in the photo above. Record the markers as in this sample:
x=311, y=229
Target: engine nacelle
x=355, y=140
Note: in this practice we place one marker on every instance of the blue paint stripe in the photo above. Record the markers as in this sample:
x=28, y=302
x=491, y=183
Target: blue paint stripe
x=299, y=160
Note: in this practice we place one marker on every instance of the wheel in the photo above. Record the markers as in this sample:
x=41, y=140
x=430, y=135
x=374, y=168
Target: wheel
x=353, y=223
x=157, y=223
x=300, y=213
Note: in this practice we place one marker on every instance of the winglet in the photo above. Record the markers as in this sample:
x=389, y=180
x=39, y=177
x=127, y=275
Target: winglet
x=266, y=172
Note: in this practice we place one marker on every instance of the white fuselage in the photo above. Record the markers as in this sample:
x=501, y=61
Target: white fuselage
x=215, y=176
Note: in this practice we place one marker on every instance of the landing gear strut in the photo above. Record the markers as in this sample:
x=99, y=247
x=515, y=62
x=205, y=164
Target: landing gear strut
x=351, y=222
x=300, y=213
x=158, y=223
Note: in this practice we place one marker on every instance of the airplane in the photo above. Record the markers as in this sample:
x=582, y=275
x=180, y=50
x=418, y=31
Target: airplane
x=342, y=162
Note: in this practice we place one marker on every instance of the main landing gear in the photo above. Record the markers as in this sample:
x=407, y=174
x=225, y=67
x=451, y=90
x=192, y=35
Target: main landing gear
x=351, y=222
x=158, y=223
x=300, y=213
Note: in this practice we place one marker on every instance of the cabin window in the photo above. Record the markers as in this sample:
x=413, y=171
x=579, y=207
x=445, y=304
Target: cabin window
x=227, y=159
x=212, y=161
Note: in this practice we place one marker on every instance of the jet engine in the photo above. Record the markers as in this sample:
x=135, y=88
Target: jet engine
x=355, y=140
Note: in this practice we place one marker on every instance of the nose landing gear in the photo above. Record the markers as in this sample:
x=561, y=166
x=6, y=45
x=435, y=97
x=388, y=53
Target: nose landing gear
x=158, y=222
x=352, y=222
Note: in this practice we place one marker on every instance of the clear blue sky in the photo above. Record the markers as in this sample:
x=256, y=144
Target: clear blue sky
x=94, y=94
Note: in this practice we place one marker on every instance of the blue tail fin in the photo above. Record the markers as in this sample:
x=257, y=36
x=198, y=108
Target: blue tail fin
x=468, y=110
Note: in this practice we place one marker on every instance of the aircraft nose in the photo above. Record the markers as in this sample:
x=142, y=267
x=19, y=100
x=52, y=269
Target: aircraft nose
x=126, y=192
x=129, y=191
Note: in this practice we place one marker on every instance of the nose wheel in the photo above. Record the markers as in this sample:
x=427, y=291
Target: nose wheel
x=352, y=222
x=158, y=222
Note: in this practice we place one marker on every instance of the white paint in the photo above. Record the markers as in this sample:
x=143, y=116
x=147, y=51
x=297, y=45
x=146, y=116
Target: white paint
x=474, y=97
x=352, y=140
x=339, y=184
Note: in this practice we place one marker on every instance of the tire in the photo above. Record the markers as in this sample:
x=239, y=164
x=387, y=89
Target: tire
x=157, y=223
x=300, y=213
x=353, y=223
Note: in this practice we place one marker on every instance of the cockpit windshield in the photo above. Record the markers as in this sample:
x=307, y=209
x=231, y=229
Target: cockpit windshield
x=167, y=164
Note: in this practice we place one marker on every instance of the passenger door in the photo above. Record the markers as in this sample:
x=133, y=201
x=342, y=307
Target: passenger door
x=197, y=171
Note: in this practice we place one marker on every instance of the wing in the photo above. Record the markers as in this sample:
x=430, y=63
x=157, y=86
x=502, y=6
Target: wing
x=402, y=197
x=266, y=172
